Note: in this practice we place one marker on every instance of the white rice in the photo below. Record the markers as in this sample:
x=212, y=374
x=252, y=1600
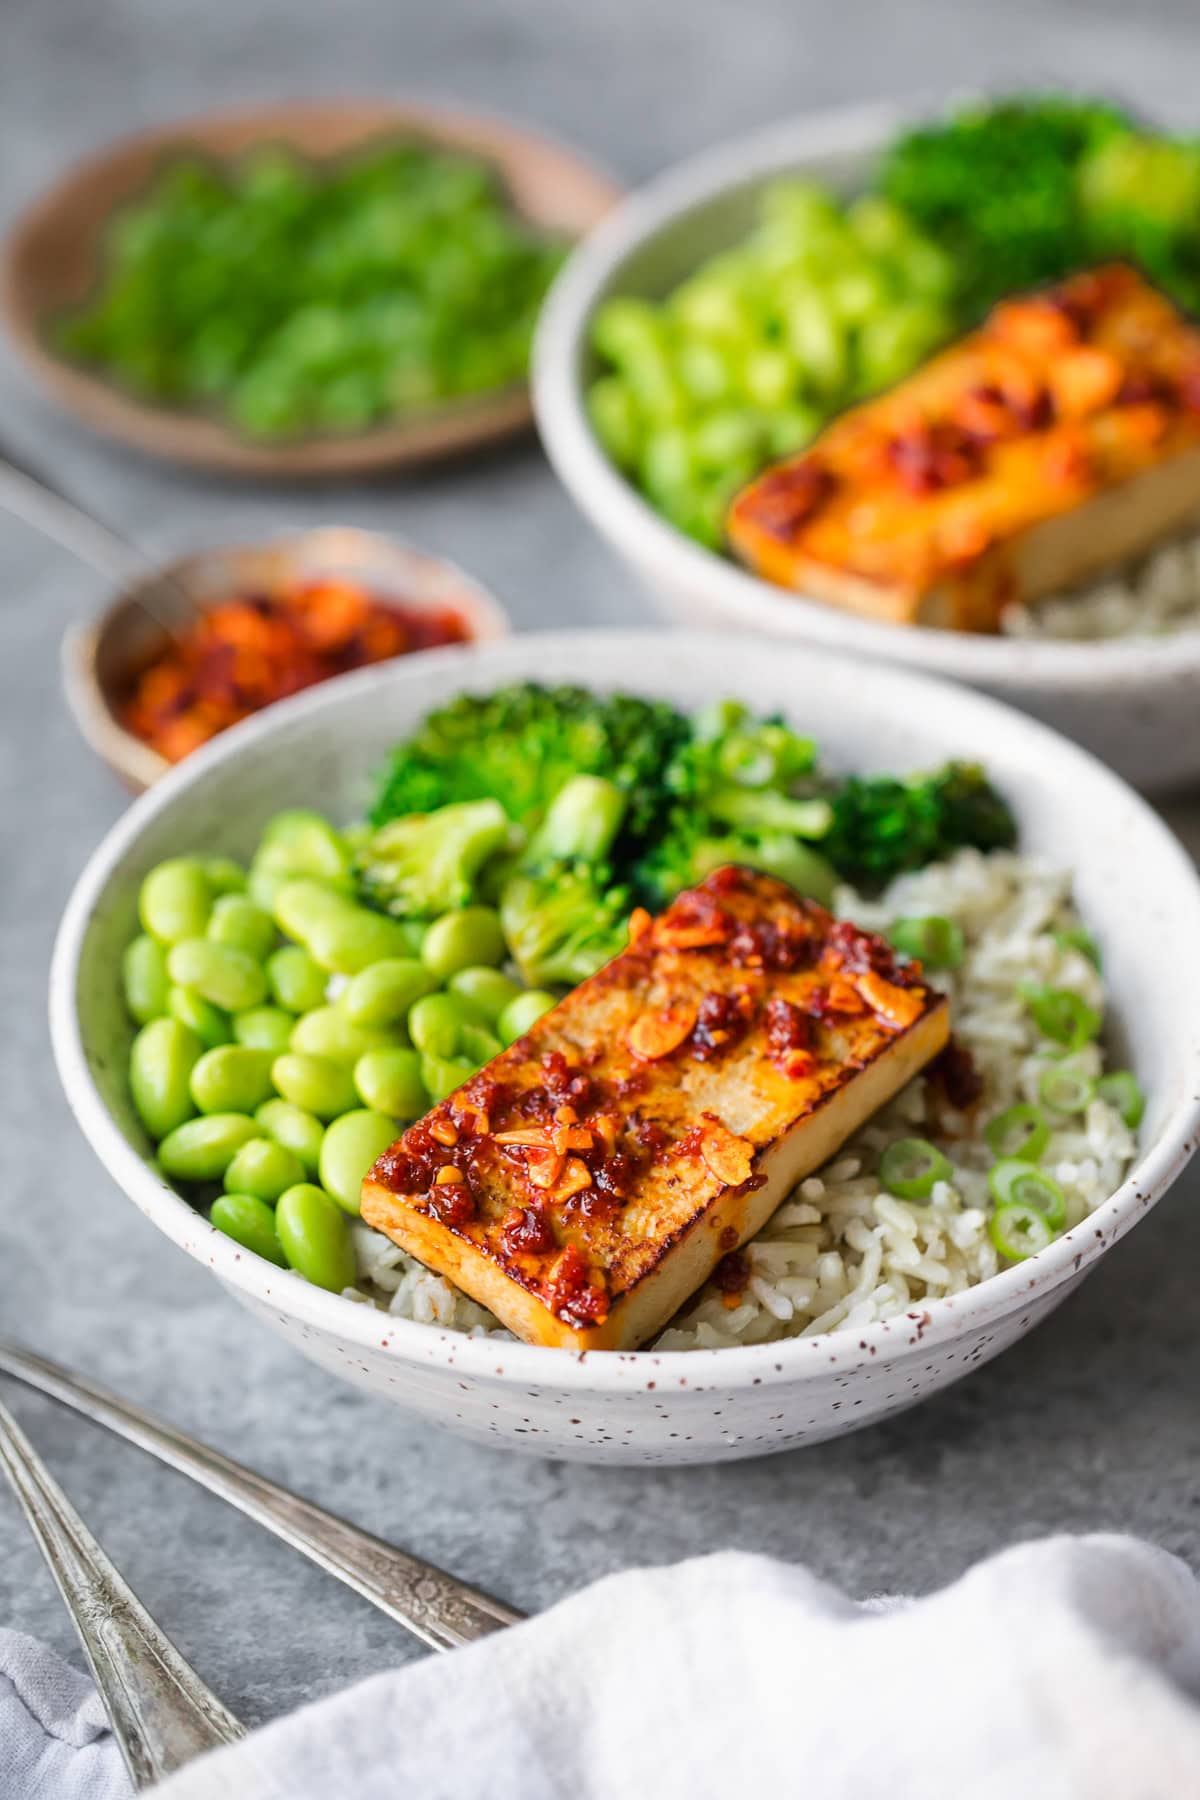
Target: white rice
x=841, y=1252
x=1153, y=598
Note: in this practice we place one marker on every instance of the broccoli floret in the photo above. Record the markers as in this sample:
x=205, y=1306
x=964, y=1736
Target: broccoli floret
x=995, y=185
x=562, y=914
x=735, y=801
x=429, y=863
x=521, y=744
x=1140, y=197
x=882, y=826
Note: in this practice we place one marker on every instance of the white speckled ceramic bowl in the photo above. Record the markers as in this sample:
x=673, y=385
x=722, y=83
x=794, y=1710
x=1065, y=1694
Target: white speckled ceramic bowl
x=1133, y=703
x=1136, y=887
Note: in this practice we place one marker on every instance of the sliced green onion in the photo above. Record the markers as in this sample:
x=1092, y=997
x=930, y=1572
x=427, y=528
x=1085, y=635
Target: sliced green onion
x=1074, y=937
x=1014, y=1181
x=1018, y=1131
x=1019, y=1231
x=1065, y=1090
x=1123, y=1090
x=1060, y=1014
x=935, y=941
x=912, y=1167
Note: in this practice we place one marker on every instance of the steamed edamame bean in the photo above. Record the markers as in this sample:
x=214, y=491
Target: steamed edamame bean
x=315, y=1236
x=314, y=1083
x=485, y=989
x=300, y=905
x=385, y=991
x=161, y=1062
x=301, y=840
x=296, y=981
x=264, y=1028
x=389, y=1081
x=435, y=1023
x=521, y=1014
x=351, y=940
x=298, y=1131
x=265, y=1169
x=175, y=900
x=459, y=940
x=250, y=1222
x=224, y=875
x=478, y=1043
x=219, y=973
x=232, y=1079
x=238, y=921
x=202, y=1149
x=442, y=1074
x=211, y=1024
x=326, y=1031
x=144, y=974
x=351, y=1145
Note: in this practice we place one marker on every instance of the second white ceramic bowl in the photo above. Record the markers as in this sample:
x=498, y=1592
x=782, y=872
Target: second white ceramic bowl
x=1133, y=702
x=1137, y=890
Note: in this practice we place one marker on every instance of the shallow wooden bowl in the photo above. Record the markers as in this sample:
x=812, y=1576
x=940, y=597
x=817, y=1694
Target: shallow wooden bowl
x=52, y=259
x=99, y=657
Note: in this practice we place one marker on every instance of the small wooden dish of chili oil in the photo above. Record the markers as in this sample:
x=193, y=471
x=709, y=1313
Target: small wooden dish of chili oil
x=214, y=637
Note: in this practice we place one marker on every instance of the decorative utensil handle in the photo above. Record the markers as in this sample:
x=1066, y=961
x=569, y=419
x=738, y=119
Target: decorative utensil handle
x=436, y=1608
x=29, y=495
x=162, y=1713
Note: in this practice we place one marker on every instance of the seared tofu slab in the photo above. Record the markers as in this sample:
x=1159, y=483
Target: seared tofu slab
x=1060, y=438
x=590, y=1179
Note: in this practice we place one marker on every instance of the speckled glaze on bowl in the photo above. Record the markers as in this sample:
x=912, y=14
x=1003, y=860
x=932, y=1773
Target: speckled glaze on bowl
x=1135, y=703
x=1137, y=889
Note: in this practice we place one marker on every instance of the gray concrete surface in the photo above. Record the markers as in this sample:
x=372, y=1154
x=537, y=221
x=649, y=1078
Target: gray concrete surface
x=1091, y=1424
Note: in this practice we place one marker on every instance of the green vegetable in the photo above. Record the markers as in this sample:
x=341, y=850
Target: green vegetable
x=523, y=1013
x=238, y=921
x=383, y=993
x=220, y=974
x=486, y=990
x=299, y=1131
x=263, y=1168
x=264, y=1028
x=436, y=1021
x=996, y=186
x=224, y=875
x=232, y=1079
x=1017, y=1181
x=1065, y=1090
x=304, y=297
x=441, y=1075
x=459, y=939
x=144, y=974
x=389, y=1081
x=1019, y=1231
x=1122, y=1090
x=211, y=1024
x=175, y=900
x=562, y=915
x=911, y=1168
x=351, y=1145
x=426, y=864
x=161, y=1060
x=1074, y=937
x=249, y=1221
x=1060, y=1014
x=1018, y=1131
x=315, y=1084
x=1139, y=195
x=315, y=1236
x=202, y=1149
x=936, y=942
x=883, y=826
x=297, y=983
x=329, y=1031
x=521, y=744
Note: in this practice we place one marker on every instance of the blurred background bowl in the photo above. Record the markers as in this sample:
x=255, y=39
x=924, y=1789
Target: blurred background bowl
x=53, y=255
x=101, y=657
x=1132, y=701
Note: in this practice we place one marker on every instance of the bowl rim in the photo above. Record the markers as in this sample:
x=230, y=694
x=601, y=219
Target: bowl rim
x=926, y=1324
x=622, y=515
x=210, y=441
x=134, y=761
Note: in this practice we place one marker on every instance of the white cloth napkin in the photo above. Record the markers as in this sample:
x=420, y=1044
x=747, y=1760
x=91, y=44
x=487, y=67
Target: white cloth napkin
x=1059, y=1669
x=1062, y=1670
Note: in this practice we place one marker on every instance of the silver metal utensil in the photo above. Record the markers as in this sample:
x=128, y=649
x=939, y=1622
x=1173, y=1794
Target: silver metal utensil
x=162, y=1714
x=436, y=1608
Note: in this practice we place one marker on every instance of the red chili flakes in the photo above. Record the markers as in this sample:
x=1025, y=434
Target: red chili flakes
x=574, y=1292
x=955, y=1073
x=452, y=1205
x=731, y=1276
x=779, y=945
x=693, y=922
x=786, y=499
x=936, y=454
x=526, y=1232
x=789, y=1038
x=721, y=1019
